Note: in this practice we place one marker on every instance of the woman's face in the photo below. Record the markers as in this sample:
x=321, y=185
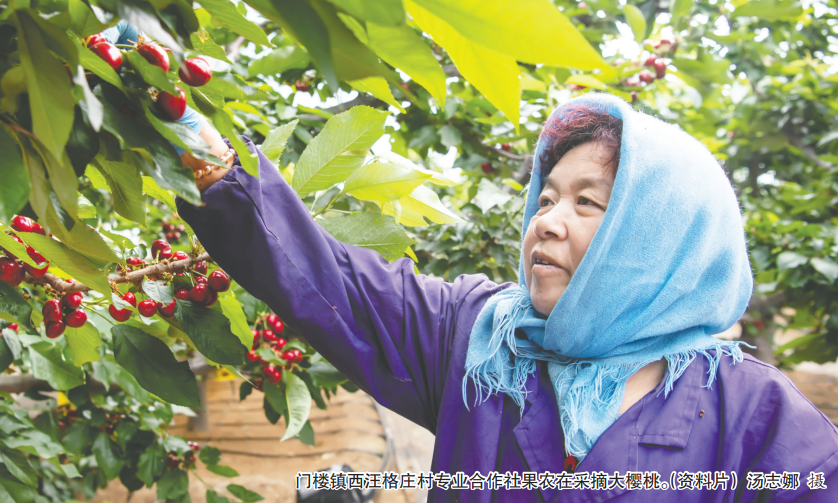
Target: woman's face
x=570, y=208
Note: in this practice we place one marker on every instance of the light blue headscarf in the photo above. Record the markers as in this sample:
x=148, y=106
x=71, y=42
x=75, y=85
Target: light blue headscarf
x=667, y=269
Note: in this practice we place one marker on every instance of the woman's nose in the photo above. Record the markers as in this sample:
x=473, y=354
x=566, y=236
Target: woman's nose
x=552, y=224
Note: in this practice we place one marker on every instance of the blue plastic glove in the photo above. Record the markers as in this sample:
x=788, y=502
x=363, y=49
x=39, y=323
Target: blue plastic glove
x=124, y=33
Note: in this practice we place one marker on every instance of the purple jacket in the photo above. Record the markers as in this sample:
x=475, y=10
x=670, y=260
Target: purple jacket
x=403, y=338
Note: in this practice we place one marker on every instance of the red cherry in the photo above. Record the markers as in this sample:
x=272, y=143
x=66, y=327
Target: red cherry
x=759, y=324
x=505, y=146
x=92, y=40
x=650, y=60
x=219, y=281
x=38, y=259
x=182, y=294
x=255, y=333
x=268, y=335
x=213, y=298
x=55, y=329
x=11, y=271
x=75, y=319
x=130, y=298
x=200, y=267
x=195, y=72
x=278, y=327
x=7, y=252
x=109, y=53
x=201, y=279
x=38, y=229
x=147, y=308
x=173, y=106
x=280, y=343
x=252, y=356
x=72, y=300
x=52, y=310
x=170, y=235
x=486, y=167
x=155, y=55
x=660, y=68
x=289, y=355
x=200, y=294
x=22, y=224
x=645, y=76
x=181, y=228
x=271, y=319
x=119, y=315
x=179, y=255
x=303, y=86
x=166, y=311
x=159, y=247
x=13, y=326
x=298, y=355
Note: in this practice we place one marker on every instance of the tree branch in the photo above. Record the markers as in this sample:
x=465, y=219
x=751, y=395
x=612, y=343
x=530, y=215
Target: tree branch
x=132, y=277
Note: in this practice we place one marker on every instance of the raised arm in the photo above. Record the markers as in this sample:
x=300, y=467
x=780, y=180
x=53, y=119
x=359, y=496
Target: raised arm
x=387, y=329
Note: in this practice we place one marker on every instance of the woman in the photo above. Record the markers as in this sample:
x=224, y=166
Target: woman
x=609, y=360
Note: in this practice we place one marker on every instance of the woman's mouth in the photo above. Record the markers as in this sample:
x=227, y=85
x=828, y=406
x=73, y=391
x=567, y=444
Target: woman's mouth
x=544, y=264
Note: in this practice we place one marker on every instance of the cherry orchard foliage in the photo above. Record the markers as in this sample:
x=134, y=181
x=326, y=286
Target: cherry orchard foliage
x=103, y=284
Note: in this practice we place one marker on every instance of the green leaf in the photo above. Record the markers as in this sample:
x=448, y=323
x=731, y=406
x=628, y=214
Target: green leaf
x=275, y=141
x=19, y=466
x=13, y=303
x=531, y=31
x=151, y=188
x=494, y=74
x=233, y=87
x=50, y=90
x=159, y=291
x=203, y=43
x=210, y=455
x=299, y=404
x=351, y=58
x=35, y=442
x=826, y=266
x=301, y=22
x=84, y=21
x=338, y=150
x=152, y=74
x=378, y=88
x=381, y=182
x=490, y=195
x=211, y=333
x=154, y=366
x=39, y=194
x=48, y=364
x=369, y=230
x=385, y=12
x=224, y=471
x=678, y=9
x=15, y=248
x=243, y=494
x=90, y=61
x=7, y=357
x=152, y=464
x=636, y=21
x=238, y=322
x=213, y=497
x=84, y=343
x=14, y=191
x=105, y=457
x=279, y=60
x=325, y=375
x=173, y=484
x=225, y=12
x=770, y=10
x=790, y=260
x=126, y=186
x=306, y=434
x=586, y=81
x=82, y=239
x=403, y=48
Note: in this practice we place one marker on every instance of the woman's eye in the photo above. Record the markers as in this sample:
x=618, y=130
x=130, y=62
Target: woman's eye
x=586, y=202
x=544, y=202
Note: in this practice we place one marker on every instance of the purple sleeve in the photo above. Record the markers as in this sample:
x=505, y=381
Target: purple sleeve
x=384, y=327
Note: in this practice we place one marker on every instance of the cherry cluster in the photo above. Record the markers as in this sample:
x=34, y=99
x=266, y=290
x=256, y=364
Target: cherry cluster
x=194, y=72
x=188, y=458
x=301, y=86
x=269, y=337
x=63, y=313
x=13, y=271
x=171, y=231
x=655, y=61
x=204, y=292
